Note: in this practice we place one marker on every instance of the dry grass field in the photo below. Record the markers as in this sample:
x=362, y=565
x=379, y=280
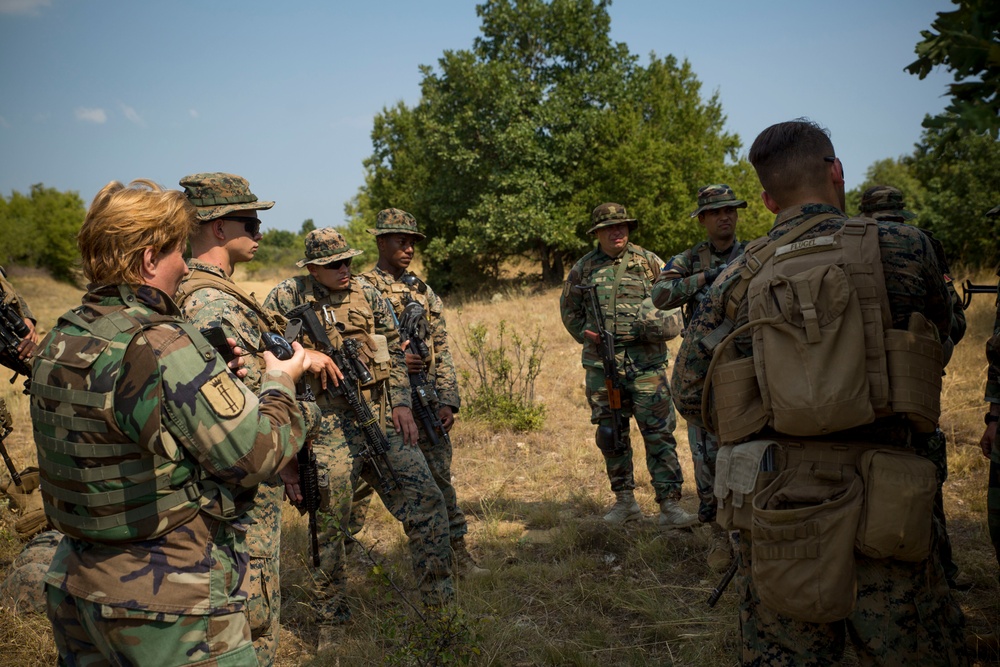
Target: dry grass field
x=566, y=589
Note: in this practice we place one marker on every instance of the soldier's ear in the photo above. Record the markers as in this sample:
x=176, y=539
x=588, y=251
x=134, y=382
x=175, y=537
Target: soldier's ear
x=770, y=202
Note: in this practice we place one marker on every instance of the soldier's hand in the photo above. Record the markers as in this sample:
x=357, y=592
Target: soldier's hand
x=290, y=476
x=26, y=348
x=294, y=367
x=323, y=367
x=447, y=417
x=402, y=420
x=592, y=336
x=414, y=364
x=989, y=439
x=237, y=364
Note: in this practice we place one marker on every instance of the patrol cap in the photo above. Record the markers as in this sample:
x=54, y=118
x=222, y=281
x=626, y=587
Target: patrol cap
x=395, y=221
x=609, y=214
x=885, y=198
x=717, y=195
x=215, y=194
x=326, y=245
x=993, y=212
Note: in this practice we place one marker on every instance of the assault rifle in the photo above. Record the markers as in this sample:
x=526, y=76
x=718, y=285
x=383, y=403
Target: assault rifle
x=968, y=289
x=6, y=426
x=723, y=584
x=413, y=328
x=12, y=331
x=355, y=375
x=309, y=485
x=612, y=381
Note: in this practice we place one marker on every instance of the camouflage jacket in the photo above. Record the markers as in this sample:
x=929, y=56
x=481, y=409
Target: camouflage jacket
x=993, y=357
x=442, y=367
x=912, y=278
x=304, y=289
x=683, y=291
x=597, y=267
x=186, y=417
x=10, y=296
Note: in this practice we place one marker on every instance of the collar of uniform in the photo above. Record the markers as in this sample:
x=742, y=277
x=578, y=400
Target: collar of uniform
x=603, y=255
x=196, y=264
x=790, y=217
x=149, y=296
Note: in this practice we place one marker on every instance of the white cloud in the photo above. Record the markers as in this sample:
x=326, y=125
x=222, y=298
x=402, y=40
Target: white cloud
x=132, y=115
x=23, y=7
x=193, y=112
x=91, y=115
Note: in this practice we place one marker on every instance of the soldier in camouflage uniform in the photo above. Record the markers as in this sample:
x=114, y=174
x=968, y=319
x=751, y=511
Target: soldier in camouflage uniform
x=10, y=297
x=23, y=589
x=228, y=233
x=349, y=306
x=682, y=284
x=150, y=462
x=904, y=612
x=988, y=443
x=885, y=203
x=624, y=275
x=397, y=235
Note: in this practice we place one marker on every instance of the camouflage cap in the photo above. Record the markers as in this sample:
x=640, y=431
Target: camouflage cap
x=214, y=194
x=993, y=212
x=886, y=199
x=717, y=195
x=326, y=245
x=609, y=214
x=395, y=221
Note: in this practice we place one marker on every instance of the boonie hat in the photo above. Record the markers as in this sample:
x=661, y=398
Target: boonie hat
x=326, y=245
x=214, y=194
x=395, y=221
x=609, y=214
x=717, y=195
x=887, y=199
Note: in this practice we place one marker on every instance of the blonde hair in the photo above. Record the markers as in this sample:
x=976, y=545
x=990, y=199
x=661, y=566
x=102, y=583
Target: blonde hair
x=123, y=221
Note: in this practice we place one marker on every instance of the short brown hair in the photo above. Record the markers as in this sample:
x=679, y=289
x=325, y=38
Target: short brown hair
x=789, y=156
x=123, y=221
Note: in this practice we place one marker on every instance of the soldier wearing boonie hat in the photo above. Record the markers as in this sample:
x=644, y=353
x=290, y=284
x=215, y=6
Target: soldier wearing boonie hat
x=396, y=235
x=624, y=273
x=350, y=307
x=683, y=284
x=884, y=202
x=216, y=194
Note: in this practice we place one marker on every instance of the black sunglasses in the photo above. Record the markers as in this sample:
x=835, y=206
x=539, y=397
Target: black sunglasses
x=833, y=158
x=339, y=263
x=251, y=225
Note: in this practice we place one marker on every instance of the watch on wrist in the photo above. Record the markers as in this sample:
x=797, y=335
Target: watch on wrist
x=990, y=418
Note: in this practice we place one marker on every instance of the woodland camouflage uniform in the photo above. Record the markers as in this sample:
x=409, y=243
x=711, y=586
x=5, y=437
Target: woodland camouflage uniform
x=167, y=586
x=418, y=503
x=904, y=612
x=441, y=372
x=642, y=365
x=683, y=292
x=993, y=396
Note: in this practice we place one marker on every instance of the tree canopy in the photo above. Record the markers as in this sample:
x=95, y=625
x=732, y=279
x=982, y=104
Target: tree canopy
x=39, y=229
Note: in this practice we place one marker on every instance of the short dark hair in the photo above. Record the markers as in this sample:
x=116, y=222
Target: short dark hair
x=789, y=156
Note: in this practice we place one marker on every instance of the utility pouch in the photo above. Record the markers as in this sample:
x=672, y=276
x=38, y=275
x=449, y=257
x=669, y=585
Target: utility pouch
x=899, y=501
x=803, y=551
x=915, y=361
x=381, y=361
x=742, y=471
x=739, y=409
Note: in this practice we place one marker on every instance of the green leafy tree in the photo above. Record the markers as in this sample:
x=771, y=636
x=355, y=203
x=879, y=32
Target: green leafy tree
x=967, y=42
x=900, y=174
x=39, y=229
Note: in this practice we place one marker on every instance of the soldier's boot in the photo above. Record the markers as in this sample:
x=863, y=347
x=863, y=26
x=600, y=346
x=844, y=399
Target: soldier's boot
x=720, y=552
x=625, y=508
x=463, y=563
x=673, y=515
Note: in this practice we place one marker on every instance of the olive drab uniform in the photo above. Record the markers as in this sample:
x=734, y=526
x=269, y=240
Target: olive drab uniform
x=993, y=396
x=623, y=285
x=361, y=313
x=890, y=598
x=683, y=292
x=149, y=465
x=207, y=298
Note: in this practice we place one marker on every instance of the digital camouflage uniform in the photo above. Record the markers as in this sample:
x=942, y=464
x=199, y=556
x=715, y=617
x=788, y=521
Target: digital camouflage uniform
x=23, y=589
x=135, y=582
x=418, y=503
x=642, y=365
x=684, y=292
x=904, y=612
x=993, y=396
x=885, y=203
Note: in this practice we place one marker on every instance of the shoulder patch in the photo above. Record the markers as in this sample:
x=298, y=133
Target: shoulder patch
x=223, y=395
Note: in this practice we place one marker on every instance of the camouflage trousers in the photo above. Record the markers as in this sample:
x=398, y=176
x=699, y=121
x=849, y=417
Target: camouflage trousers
x=904, y=615
x=645, y=396
x=417, y=504
x=993, y=500
x=704, y=452
x=934, y=447
x=263, y=584
x=88, y=634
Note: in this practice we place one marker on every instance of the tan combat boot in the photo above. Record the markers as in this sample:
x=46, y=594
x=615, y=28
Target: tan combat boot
x=625, y=508
x=464, y=565
x=720, y=552
x=673, y=515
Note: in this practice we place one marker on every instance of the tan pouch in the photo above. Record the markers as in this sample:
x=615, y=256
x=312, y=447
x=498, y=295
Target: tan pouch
x=381, y=361
x=915, y=360
x=742, y=471
x=739, y=410
x=899, y=501
x=803, y=551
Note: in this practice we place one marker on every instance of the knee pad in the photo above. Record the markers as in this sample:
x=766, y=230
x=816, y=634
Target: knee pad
x=605, y=437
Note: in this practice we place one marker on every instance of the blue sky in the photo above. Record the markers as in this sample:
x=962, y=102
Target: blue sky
x=284, y=93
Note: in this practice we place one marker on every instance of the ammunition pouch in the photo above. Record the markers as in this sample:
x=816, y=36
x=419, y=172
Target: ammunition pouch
x=605, y=437
x=899, y=500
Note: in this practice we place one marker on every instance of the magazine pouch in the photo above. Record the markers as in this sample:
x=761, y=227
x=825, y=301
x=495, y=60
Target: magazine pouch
x=899, y=501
